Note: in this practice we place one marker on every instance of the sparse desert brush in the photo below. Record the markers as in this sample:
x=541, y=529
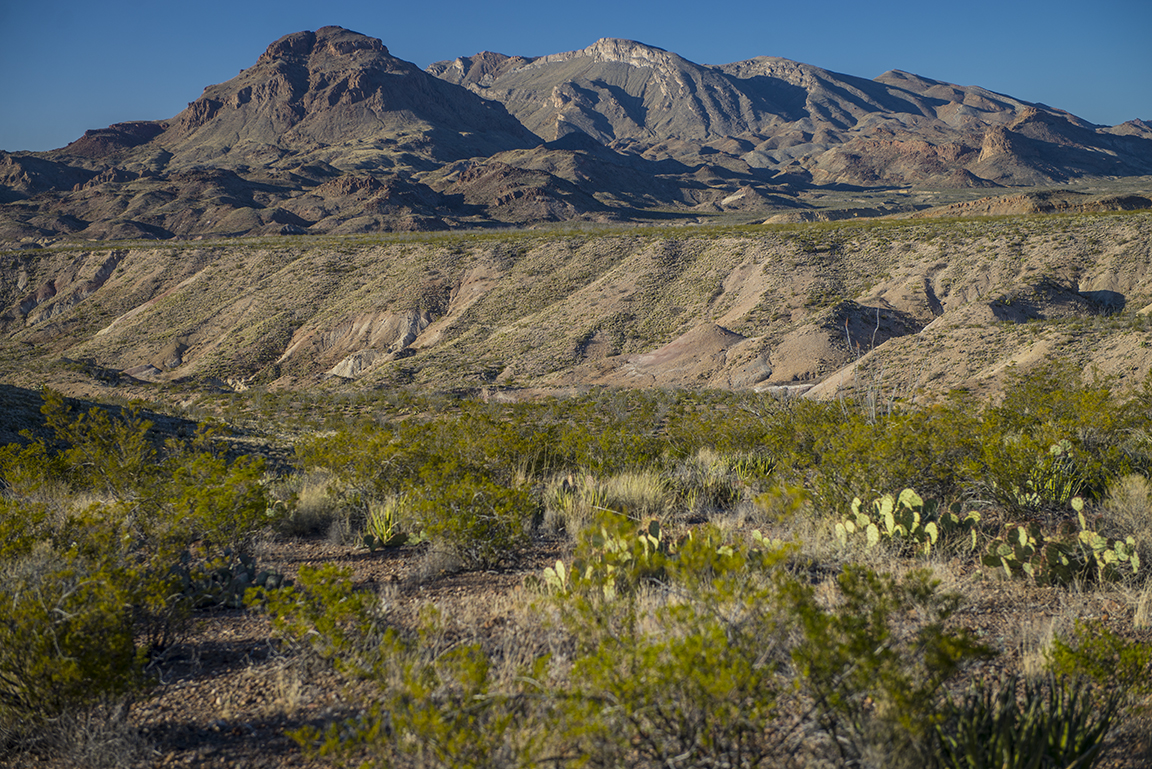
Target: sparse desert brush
x=90, y=588
x=706, y=649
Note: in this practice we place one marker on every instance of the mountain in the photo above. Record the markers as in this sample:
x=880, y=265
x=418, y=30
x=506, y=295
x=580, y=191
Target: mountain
x=776, y=116
x=328, y=133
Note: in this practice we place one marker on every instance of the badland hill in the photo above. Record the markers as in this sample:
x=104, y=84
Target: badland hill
x=906, y=309
x=328, y=133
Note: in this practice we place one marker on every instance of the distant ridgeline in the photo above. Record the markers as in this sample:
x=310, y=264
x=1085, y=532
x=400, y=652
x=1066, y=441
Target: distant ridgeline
x=329, y=134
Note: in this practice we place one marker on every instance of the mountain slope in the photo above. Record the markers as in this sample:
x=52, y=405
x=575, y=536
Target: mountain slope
x=925, y=305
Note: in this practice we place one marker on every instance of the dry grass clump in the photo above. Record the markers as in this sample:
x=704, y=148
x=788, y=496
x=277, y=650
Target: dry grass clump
x=313, y=508
x=574, y=502
x=1143, y=616
x=100, y=737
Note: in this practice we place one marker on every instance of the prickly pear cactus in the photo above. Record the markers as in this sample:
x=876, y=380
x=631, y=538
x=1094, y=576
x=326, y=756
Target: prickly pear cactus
x=907, y=521
x=1073, y=551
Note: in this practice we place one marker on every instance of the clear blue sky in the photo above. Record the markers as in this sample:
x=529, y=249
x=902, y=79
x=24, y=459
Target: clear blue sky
x=67, y=66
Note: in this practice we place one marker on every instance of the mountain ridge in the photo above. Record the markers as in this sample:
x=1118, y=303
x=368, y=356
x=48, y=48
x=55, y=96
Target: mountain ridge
x=619, y=131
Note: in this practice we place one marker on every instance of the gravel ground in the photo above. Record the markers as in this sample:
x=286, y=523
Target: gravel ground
x=228, y=694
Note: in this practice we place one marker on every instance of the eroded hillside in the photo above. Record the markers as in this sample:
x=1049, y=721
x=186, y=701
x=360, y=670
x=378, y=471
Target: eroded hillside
x=901, y=307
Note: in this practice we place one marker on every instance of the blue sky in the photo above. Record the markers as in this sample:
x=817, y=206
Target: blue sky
x=67, y=66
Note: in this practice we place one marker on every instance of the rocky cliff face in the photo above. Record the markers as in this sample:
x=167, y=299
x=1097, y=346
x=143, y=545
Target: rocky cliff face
x=328, y=133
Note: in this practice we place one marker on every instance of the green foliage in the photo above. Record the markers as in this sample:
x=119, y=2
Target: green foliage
x=98, y=450
x=66, y=640
x=839, y=451
x=88, y=591
x=696, y=679
x=909, y=522
x=322, y=614
x=1109, y=660
x=869, y=671
x=438, y=703
x=223, y=503
x=616, y=557
x=478, y=521
x=1059, y=722
x=383, y=527
x=698, y=667
x=1056, y=437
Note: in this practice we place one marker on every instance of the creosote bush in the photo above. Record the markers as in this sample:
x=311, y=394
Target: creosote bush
x=97, y=563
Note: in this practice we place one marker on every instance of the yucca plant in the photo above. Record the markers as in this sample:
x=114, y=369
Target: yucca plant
x=1056, y=722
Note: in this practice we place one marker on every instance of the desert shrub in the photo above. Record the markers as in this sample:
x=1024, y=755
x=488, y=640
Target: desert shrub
x=66, y=641
x=839, y=451
x=701, y=651
x=479, y=522
x=1055, y=722
x=103, y=571
x=1055, y=437
x=437, y=702
x=693, y=674
x=224, y=503
x=874, y=665
x=1110, y=661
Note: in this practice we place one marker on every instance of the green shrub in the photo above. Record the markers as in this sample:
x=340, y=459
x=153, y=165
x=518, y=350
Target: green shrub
x=871, y=671
x=66, y=641
x=1057, y=722
x=474, y=519
x=1110, y=661
x=695, y=679
x=88, y=589
x=438, y=702
x=1055, y=437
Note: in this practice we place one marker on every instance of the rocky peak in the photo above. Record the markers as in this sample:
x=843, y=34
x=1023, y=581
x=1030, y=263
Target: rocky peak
x=616, y=50
x=478, y=71
x=334, y=41
x=294, y=46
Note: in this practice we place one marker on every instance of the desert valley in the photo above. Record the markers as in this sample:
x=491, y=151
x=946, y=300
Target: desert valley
x=598, y=408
